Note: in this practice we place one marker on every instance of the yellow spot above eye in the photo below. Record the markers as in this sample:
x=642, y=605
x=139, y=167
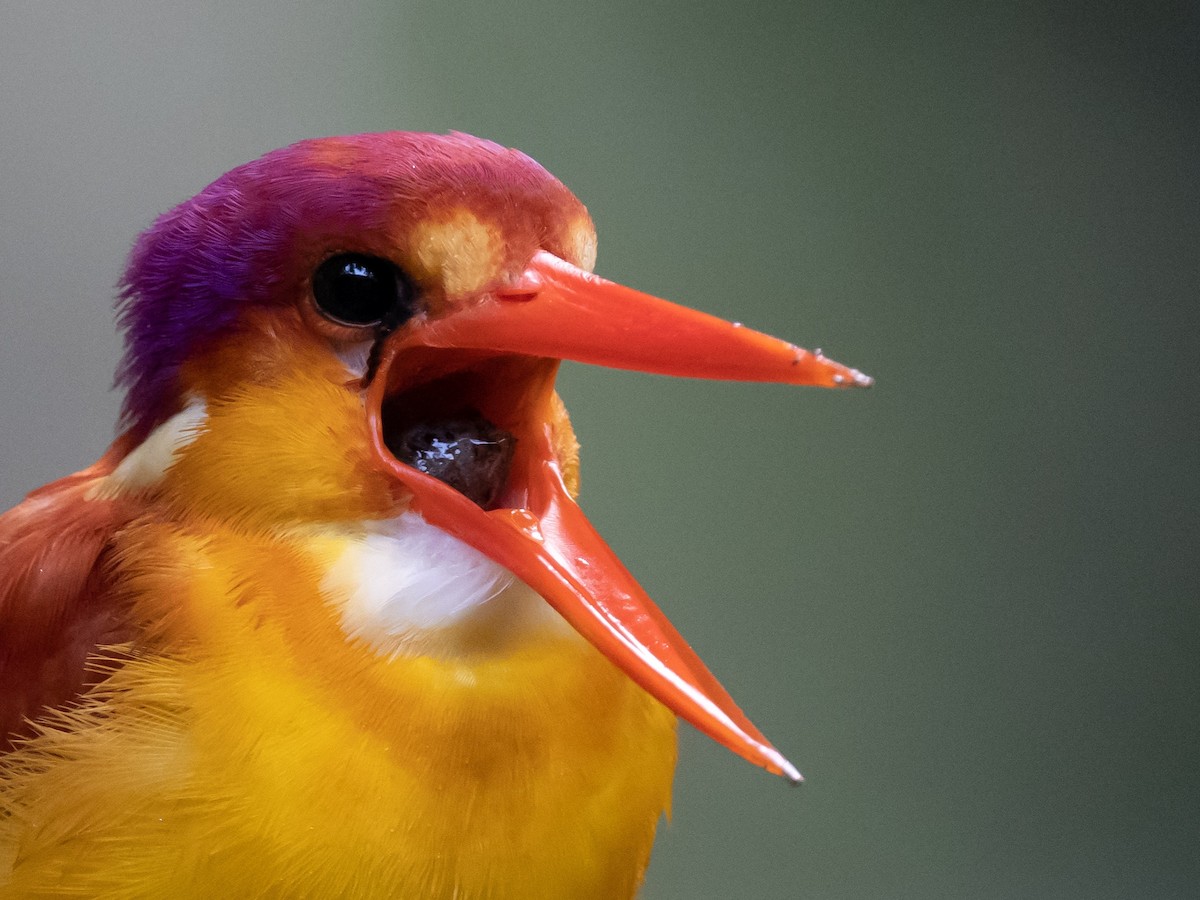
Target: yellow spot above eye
x=581, y=242
x=461, y=251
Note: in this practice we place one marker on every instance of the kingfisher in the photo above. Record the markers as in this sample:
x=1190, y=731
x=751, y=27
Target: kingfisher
x=326, y=621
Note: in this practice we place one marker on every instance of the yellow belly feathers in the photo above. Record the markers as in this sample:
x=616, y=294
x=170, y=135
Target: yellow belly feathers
x=269, y=756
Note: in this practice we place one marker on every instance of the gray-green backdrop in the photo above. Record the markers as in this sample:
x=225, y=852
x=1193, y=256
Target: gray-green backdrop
x=965, y=603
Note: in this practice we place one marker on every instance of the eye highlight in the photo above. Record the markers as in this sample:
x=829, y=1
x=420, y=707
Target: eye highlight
x=359, y=290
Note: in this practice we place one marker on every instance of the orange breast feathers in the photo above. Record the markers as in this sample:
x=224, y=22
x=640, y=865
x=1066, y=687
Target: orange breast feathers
x=263, y=742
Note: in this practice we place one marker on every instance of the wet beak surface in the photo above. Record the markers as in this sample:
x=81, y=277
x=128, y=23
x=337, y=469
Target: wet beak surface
x=499, y=357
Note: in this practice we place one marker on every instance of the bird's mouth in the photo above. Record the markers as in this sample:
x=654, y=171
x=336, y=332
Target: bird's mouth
x=469, y=431
x=463, y=427
x=464, y=416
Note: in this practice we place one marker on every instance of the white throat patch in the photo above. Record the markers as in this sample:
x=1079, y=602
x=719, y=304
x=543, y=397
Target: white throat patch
x=409, y=587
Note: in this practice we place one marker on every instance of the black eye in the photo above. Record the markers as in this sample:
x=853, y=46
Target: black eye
x=356, y=289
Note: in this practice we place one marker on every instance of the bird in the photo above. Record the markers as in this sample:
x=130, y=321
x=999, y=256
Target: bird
x=327, y=620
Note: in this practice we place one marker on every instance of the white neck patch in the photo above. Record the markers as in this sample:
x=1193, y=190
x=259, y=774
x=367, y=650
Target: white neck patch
x=407, y=587
x=149, y=461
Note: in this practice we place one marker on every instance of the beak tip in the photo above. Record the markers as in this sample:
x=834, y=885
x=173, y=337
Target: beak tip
x=791, y=773
x=822, y=371
x=861, y=379
x=852, y=378
x=777, y=764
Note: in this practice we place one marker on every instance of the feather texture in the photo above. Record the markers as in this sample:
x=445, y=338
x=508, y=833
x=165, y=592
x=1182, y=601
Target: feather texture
x=56, y=607
x=245, y=748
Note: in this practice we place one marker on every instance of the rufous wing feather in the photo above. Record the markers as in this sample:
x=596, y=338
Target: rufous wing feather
x=56, y=607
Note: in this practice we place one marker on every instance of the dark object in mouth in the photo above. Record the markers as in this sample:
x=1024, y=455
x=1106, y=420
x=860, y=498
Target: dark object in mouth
x=468, y=453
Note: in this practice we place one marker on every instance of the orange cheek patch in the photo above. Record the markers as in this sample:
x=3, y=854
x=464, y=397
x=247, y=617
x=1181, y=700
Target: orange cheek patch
x=268, y=346
x=461, y=251
x=285, y=435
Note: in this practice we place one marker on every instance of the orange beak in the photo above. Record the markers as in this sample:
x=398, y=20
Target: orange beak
x=499, y=357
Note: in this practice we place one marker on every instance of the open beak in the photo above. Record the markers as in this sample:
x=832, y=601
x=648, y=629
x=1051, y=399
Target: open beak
x=495, y=361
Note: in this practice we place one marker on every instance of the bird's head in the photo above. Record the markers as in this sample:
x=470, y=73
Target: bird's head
x=351, y=328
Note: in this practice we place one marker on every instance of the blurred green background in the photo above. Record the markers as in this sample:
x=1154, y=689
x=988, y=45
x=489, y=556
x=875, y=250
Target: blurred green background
x=965, y=602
